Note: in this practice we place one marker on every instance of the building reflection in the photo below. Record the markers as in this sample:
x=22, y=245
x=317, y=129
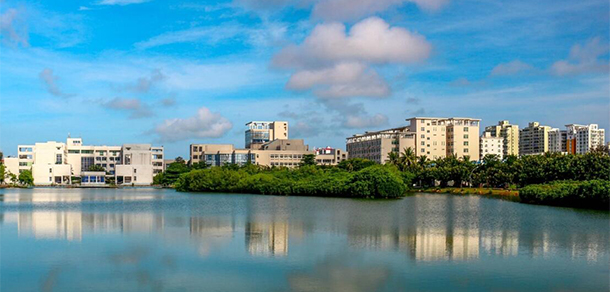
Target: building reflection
x=267, y=238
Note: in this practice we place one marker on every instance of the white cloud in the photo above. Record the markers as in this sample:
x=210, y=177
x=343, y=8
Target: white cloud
x=510, y=68
x=211, y=34
x=342, y=80
x=584, y=59
x=121, y=2
x=371, y=40
x=134, y=106
x=364, y=121
x=337, y=64
x=347, y=10
x=205, y=124
x=47, y=77
x=13, y=32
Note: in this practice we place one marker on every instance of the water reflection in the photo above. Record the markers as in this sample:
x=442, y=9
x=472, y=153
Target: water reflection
x=316, y=244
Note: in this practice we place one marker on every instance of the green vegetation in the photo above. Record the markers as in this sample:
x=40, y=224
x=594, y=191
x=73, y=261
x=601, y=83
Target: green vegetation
x=587, y=194
x=376, y=181
x=26, y=178
x=361, y=178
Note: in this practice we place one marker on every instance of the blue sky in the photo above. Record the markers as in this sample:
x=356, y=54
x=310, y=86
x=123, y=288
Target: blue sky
x=174, y=73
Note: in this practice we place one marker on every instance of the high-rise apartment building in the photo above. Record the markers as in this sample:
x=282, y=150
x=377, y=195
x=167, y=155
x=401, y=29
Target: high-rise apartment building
x=534, y=139
x=432, y=137
x=510, y=134
x=491, y=145
x=580, y=139
x=557, y=141
x=259, y=133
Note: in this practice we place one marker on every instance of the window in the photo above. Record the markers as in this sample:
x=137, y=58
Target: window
x=465, y=143
x=135, y=170
x=465, y=150
x=73, y=151
x=465, y=129
x=423, y=136
x=465, y=136
x=423, y=150
x=50, y=170
x=58, y=159
x=86, y=151
x=423, y=128
x=423, y=143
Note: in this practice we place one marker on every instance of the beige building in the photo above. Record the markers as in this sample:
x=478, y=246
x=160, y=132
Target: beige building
x=491, y=145
x=288, y=153
x=510, y=133
x=534, y=139
x=259, y=133
x=432, y=137
x=330, y=156
x=580, y=139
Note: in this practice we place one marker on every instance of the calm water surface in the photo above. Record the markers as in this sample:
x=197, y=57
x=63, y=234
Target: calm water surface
x=160, y=240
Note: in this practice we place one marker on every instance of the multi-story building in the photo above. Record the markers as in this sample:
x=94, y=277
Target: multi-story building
x=288, y=153
x=491, y=145
x=432, y=137
x=534, y=139
x=557, y=141
x=581, y=139
x=330, y=156
x=55, y=163
x=510, y=134
x=259, y=133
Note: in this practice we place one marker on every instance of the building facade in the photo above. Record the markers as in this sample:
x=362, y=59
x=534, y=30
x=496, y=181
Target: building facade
x=432, y=137
x=580, y=139
x=259, y=133
x=55, y=163
x=557, y=141
x=510, y=134
x=534, y=139
x=491, y=145
x=330, y=156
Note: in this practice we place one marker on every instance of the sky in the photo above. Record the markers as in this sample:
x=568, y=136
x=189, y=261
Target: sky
x=173, y=73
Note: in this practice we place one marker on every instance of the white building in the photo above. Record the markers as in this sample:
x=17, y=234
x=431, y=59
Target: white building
x=491, y=145
x=580, y=139
x=55, y=163
x=557, y=141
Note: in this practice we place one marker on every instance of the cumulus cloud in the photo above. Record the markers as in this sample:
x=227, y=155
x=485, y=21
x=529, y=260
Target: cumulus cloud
x=342, y=80
x=121, y=2
x=354, y=115
x=336, y=63
x=49, y=80
x=584, y=59
x=510, y=68
x=347, y=10
x=13, y=33
x=143, y=84
x=134, y=106
x=205, y=124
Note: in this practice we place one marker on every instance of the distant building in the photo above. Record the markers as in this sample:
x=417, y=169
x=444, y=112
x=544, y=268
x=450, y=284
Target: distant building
x=330, y=156
x=259, y=133
x=491, y=145
x=557, y=141
x=55, y=163
x=432, y=137
x=534, y=139
x=580, y=139
x=510, y=134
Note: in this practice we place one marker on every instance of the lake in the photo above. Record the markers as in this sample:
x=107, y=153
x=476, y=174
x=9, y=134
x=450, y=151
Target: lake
x=160, y=240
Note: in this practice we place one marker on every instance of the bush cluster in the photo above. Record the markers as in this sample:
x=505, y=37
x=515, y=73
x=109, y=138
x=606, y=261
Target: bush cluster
x=589, y=194
x=374, y=181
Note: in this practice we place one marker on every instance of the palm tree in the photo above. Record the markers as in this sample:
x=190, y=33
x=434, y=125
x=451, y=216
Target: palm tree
x=408, y=158
x=393, y=158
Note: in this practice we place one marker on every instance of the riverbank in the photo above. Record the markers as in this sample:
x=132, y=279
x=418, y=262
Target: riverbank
x=470, y=191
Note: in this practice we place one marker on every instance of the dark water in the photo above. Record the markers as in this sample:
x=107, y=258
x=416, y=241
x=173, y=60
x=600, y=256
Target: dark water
x=160, y=240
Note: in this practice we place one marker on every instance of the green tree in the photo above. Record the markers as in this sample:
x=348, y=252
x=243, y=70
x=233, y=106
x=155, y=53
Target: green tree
x=26, y=178
x=96, y=167
x=355, y=164
x=308, y=159
x=2, y=173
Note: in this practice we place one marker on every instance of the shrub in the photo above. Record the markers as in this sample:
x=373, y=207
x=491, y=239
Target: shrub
x=589, y=194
